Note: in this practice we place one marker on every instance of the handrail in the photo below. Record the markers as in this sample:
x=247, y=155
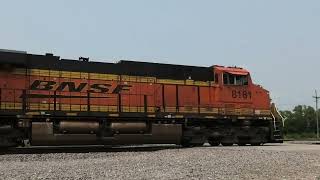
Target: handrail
x=276, y=113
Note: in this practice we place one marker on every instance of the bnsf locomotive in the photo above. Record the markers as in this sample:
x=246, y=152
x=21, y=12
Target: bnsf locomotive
x=47, y=101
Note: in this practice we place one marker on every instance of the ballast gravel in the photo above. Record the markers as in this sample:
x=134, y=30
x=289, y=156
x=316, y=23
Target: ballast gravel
x=287, y=161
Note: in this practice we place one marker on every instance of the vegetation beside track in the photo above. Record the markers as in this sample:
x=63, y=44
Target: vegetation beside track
x=300, y=123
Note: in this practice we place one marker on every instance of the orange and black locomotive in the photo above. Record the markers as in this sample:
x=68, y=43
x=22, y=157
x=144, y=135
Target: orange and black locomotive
x=47, y=101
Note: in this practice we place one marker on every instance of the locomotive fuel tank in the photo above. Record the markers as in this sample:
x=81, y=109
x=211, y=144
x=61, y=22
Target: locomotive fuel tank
x=86, y=133
x=129, y=128
x=4, y=129
x=79, y=127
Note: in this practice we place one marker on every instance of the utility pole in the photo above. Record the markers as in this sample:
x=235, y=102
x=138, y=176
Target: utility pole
x=317, y=113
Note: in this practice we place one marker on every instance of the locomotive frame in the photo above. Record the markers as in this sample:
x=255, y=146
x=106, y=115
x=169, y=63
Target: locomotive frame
x=46, y=100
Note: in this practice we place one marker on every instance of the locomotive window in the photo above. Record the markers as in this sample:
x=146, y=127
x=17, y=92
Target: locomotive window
x=216, y=78
x=225, y=78
x=231, y=79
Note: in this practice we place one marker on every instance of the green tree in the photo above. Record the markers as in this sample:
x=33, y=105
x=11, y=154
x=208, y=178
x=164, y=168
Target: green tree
x=300, y=120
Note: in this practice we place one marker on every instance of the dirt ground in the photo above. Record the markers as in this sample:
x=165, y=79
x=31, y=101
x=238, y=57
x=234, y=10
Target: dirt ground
x=273, y=161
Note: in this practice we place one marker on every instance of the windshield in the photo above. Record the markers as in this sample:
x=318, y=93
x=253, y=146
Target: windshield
x=231, y=79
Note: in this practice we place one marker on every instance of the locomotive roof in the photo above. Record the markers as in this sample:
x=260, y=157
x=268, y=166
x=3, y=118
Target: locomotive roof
x=232, y=70
x=123, y=67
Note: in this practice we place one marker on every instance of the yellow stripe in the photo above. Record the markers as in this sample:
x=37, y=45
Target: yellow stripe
x=170, y=81
x=96, y=108
x=151, y=109
x=11, y=106
x=84, y=75
x=34, y=72
x=188, y=109
x=201, y=83
x=54, y=73
x=75, y=108
x=65, y=74
x=75, y=75
x=189, y=82
x=43, y=72
x=170, y=109
x=263, y=112
x=128, y=78
x=209, y=110
x=108, y=77
x=147, y=79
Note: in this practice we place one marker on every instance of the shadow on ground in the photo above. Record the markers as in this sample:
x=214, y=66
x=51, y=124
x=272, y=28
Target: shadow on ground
x=86, y=149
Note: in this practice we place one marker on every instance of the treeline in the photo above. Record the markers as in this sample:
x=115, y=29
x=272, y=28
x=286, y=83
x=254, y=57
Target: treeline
x=300, y=122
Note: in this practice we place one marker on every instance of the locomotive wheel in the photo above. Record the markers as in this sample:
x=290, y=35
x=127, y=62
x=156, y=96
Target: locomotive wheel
x=227, y=144
x=242, y=144
x=255, y=144
x=197, y=144
x=186, y=143
x=213, y=143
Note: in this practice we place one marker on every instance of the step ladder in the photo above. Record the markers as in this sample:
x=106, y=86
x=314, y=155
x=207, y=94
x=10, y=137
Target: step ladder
x=278, y=124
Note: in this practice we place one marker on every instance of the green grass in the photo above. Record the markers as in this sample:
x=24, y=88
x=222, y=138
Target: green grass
x=301, y=136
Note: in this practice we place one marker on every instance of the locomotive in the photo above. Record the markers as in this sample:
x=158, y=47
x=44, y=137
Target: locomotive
x=49, y=101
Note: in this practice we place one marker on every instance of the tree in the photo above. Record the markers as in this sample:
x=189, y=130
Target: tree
x=300, y=120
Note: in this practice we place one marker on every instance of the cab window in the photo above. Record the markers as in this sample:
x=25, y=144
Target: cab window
x=231, y=79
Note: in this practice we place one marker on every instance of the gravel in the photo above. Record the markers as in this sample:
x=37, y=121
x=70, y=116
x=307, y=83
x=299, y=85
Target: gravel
x=288, y=161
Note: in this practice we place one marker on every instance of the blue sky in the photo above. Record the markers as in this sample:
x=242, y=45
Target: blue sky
x=278, y=41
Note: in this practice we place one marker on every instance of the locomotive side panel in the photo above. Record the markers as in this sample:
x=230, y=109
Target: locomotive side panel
x=188, y=97
x=170, y=102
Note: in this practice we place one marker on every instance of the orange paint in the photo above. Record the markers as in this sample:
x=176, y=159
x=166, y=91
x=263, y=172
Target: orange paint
x=218, y=95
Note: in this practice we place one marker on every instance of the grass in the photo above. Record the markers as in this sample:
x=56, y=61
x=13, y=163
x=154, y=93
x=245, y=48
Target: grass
x=301, y=136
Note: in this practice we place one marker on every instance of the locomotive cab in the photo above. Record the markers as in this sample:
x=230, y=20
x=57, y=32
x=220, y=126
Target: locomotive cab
x=229, y=76
x=235, y=85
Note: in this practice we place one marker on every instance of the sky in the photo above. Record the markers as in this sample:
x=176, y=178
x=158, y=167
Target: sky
x=278, y=41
